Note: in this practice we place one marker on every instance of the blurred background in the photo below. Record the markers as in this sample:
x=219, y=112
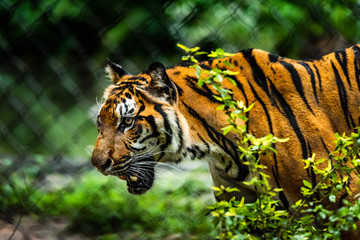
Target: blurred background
x=52, y=59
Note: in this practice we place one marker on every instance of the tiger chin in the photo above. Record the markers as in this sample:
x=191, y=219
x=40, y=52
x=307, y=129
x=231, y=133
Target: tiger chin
x=162, y=115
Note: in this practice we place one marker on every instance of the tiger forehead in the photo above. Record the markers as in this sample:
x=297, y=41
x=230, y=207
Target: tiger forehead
x=141, y=79
x=126, y=102
x=119, y=90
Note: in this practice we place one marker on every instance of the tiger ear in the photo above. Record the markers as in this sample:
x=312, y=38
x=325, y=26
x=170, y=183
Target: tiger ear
x=161, y=86
x=115, y=71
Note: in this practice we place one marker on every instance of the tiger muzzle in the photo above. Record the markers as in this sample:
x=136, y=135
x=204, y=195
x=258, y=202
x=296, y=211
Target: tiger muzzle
x=139, y=175
x=104, y=165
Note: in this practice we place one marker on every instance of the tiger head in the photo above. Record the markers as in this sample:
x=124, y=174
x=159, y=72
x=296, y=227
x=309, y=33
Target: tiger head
x=138, y=125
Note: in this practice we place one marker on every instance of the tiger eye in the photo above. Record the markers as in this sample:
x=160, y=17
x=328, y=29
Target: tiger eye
x=128, y=121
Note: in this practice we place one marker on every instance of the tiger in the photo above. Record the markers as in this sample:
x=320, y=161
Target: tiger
x=163, y=115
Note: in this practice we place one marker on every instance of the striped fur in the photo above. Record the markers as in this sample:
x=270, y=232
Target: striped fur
x=162, y=115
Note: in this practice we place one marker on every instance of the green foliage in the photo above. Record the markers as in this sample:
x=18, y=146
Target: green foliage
x=315, y=216
x=18, y=185
x=98, y=205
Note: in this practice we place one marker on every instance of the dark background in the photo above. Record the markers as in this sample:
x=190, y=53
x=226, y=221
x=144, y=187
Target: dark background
x=52, y=59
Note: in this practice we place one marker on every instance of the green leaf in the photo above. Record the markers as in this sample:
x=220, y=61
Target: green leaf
x=229, y=189
x=299, y=202
x=200, y=53
x=186, y=49
x=218, y=98
x=227, y=129
x=194, y=49
x=198, y=71
x=220, y=107
x=320, y=161
x=193, y=59
x=216, y=189
x=232, y=81
x=307, y=184
x=332, y=198
x=277, y=189
x=322, y=215
x=249, y=107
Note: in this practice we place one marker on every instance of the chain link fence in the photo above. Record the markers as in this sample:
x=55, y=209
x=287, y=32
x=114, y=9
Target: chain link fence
x=52, y=56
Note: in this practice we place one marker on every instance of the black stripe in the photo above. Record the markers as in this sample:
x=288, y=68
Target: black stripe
x=141, y=108
x=236, y=63
x=240, y=87
x=264, y=107
x=142, y=79
x=139, y=129
x=276, y=162
x=192, y=151
x=343, y=98
x=180, y=133
x=117, y=88
x=312, y=78
x=168, y=131
x=228, y=167
x=226, y=144
x=257, y=72
x=284, y=200
x=151, y=120
x=297, y=82
x=204, y=66
x=341, y=57
x=126, y=83
x=292, y=120
x=318, y=76
x=357, y=65
x=282, y=196
x=127, y=146
x=205, y=143
x=179, y=89
x=343, y=196
x=313, y=176
x=126, y=106
x=273, y=57
x=217, y=198
x=324, y=145
x=127, y=95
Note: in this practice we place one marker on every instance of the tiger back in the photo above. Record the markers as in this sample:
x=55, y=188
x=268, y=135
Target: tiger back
x=162, y=115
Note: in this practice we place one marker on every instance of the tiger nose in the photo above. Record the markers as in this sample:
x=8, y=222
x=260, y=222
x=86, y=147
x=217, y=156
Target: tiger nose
x=101, y=165
x=106, y=165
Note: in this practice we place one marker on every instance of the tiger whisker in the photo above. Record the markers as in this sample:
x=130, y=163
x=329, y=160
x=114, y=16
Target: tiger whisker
x=160, y=164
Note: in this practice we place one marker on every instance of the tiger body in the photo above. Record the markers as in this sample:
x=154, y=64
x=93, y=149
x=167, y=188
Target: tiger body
x=162, y=115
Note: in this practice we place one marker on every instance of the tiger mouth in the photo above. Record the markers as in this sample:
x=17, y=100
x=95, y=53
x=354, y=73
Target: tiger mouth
x=139, y=180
